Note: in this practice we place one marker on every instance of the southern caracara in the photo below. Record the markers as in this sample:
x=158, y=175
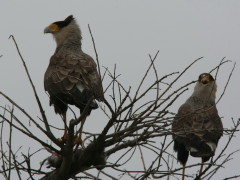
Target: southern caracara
x=72, y=76
x=197, y=127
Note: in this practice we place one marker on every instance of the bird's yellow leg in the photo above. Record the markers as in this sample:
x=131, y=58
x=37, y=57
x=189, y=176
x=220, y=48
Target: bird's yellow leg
x=65, y=135
x=183, y=173
x=78, y=139
x=201, y=168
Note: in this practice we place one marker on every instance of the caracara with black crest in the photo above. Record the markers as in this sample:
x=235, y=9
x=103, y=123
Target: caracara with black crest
x=72, y=76
x=197, y=126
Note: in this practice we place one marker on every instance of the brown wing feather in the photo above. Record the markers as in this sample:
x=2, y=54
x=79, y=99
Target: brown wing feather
x=67, y=69
x=197, y=121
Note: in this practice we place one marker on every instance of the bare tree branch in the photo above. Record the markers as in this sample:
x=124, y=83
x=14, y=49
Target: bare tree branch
x=138, y=126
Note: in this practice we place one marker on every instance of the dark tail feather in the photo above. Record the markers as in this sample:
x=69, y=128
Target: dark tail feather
x=92, y=106
x=182, y=152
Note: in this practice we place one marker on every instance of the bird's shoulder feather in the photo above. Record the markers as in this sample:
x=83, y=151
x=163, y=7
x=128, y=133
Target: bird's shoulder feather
x=66, y=69
x=197, y=119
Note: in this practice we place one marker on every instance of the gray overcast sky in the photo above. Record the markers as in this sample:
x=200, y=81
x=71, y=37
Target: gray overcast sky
x=125, y=33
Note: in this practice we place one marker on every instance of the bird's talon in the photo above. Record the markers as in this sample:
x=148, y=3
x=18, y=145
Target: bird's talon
x=63, y=139
x=78, y=141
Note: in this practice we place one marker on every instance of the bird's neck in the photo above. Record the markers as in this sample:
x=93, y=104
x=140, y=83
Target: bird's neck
x=69, y=37
x=203, y=98
x=205, y=94
x=70, y=44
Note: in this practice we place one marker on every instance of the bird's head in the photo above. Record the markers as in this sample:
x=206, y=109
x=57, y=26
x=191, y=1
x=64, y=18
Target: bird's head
x=206, y=79
x=58, y=25
x=206, y=86
x=65, y=32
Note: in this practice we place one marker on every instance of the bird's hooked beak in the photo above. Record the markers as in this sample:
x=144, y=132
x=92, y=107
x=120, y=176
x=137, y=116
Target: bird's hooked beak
x=52, y=28
x=205, y=80
x=47, y=30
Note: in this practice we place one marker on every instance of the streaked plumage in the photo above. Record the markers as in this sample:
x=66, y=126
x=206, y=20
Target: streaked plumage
x=197, y=126
x=72, y=76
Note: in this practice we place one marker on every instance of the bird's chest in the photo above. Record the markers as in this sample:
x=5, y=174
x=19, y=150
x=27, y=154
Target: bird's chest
x=201, y=122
